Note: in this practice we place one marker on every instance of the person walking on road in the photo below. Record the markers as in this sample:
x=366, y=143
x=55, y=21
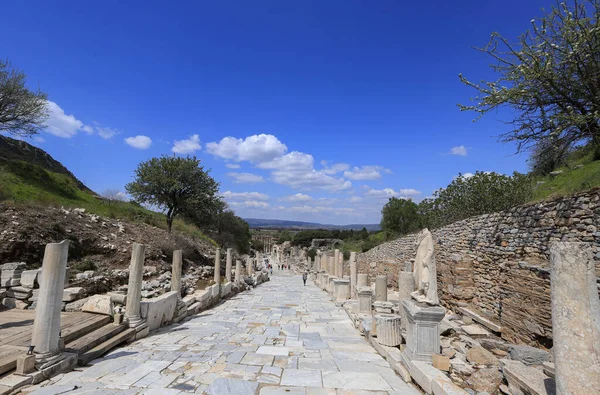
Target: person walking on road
x=304, y=277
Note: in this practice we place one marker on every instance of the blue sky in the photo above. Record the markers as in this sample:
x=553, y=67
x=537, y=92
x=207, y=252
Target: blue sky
x=309, y=110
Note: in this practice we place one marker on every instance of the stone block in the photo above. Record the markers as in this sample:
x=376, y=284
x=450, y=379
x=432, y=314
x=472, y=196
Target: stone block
x=441, y=362
x=526, y=379
x=25, y=364
x=424, y=374
x=189, y=300
x=446, y=387
x=13, y=303
x=29, y=278
x=481, y=319
x=20, y=266
x=226, y=289
x=422, y=330
x=118, y=298
x=481, y=356
x=159, y=311
x=99, y=304
x=72, y=294
x=528, y=355
x=19, y=292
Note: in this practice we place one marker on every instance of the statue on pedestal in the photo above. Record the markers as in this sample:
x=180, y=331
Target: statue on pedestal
x=424, y=271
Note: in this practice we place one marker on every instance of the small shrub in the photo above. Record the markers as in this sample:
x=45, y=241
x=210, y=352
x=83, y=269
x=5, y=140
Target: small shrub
x=83, y=266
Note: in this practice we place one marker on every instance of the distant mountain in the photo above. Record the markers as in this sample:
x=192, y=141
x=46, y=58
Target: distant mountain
x=278, y=223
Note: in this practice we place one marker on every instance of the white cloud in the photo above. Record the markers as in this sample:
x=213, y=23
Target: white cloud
x=61, y=124
x=355, y=199
x=66, y=125
x=256, y=148
x=38, y=139
x=460, y=150
x=389, y=192
x=335, y=168
x=464, y=175
x=250, y=204
x=246, y=178
x=296, y=170
x=299, y=197
x=187, y=146
x=232, y=166
x=139, y=142
x=245, y=196
x=365, y=173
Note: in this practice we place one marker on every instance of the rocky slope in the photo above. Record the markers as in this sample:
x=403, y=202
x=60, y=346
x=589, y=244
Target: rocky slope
x=99, y=245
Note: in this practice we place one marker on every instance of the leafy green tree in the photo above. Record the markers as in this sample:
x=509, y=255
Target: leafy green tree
x=312, y=253
x=22, y=112
x=175, y=185
x=482, y=193
x=364, y=234
x=549, y=78
x=399, y=217
x=547, y=155
x=232, y=231
x=284, y=236
x=304, y=238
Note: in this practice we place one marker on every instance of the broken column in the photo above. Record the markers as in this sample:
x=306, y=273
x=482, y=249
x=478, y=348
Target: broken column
x=249, y=267
x=381, y=288
x=336, y=263
x=406, y=285
x=388, y=329
x=353, y=274
x=575, y=318
x=46, y=325
x=181, y=308
x=228, y=263
x=134, y=287
x=238, y=272
x=217, y=274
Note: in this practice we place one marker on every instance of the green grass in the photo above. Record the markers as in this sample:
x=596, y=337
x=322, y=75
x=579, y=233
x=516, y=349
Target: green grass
x=22, y=183
x=580, y=173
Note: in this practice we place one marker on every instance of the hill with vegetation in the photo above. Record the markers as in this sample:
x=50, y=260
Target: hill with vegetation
x=256, y=223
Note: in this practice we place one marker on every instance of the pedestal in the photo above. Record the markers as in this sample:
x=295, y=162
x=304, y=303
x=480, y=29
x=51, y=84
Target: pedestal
x=228, y=266
x=422, y=330
x=388, y=329
x=365, y=299
x=343, y=289
x=331, y=284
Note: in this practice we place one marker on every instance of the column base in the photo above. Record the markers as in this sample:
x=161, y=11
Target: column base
x=45, y=360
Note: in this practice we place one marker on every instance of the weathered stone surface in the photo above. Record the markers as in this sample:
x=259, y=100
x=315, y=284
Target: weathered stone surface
x=381, y=288
x=575, y=319
x=77, y=305
x=29, y=278
x=72, y=294
x=440, y=362
x=159, y=311
x=486, y=380
x=502, y=257
x=526, y=379
x=388, y=329
x=528, y=355
x=481, y=356
x=99, y=304
x=422, y=333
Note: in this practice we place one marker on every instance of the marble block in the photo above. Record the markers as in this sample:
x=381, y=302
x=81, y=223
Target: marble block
x=422, y=330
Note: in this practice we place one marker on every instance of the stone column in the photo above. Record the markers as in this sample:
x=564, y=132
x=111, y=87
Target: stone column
x=422, y=330
x=365, y=299
x=217, y=276
x=332, y=266
x=249, y=266
x=46, y=325
x=228, y=266
x=381, y=288
x=134, y=287
x=388, y=329
x=336, y=260
x=406, y=285
x=353, y=274
x=362, y=280
x=238, y=272
x=575, y=318
x=176, y=285
x=176, y=272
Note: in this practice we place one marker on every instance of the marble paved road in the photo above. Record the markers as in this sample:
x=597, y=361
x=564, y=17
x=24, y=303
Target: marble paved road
x=280, y=338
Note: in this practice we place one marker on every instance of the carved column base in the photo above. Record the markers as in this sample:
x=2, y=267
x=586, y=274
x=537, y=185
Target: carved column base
x=422, y=330
x=388, y=329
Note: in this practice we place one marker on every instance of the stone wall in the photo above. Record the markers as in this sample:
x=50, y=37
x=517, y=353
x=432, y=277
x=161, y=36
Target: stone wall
x=498, y=263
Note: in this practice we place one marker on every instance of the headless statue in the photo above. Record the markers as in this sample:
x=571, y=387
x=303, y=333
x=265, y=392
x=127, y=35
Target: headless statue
x=424, y=271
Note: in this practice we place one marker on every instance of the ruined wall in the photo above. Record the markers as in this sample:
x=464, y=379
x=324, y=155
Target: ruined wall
x=498, y=263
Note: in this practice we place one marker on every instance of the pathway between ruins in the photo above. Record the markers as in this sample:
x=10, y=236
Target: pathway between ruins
x=280, y=338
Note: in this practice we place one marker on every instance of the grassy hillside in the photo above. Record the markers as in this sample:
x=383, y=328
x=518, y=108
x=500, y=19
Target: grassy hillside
x=580, y=173
x=25, y=183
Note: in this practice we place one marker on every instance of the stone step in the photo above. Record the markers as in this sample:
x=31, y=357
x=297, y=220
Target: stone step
x=76, y=331
x=94, y=338
x=108, y=345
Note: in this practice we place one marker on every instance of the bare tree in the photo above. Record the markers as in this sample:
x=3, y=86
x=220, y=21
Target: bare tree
x=113, y=195
x=22, y=111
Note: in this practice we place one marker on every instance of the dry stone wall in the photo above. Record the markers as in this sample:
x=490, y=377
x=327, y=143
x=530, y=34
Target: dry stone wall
x=498, y=263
